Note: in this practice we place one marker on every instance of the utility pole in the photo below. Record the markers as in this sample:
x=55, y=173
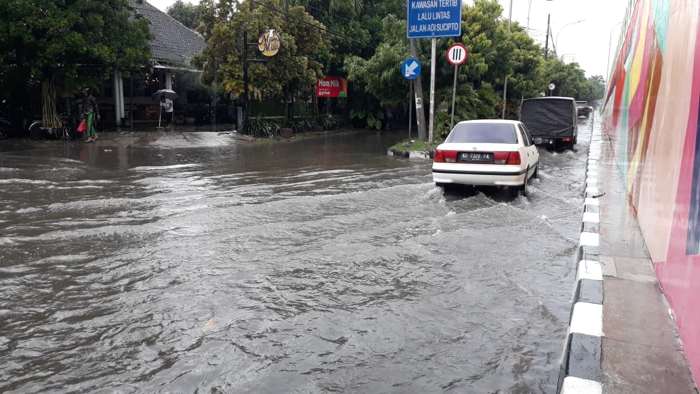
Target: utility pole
x=546, y=41
x=418, y=91
x=505, y=81
x=246, y=81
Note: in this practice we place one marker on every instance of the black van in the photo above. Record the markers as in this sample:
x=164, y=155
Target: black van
x=551, y=120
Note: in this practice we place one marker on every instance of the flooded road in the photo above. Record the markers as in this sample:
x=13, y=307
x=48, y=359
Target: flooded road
x=190, y=263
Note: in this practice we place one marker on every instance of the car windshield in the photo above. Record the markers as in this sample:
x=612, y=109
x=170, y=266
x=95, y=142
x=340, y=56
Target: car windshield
x=490, y=133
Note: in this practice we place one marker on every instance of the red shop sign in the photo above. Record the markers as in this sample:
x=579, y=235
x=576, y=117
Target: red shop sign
x=332, y=87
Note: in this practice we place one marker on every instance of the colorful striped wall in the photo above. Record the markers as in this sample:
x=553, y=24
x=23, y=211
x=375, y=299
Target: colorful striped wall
x=652, y=118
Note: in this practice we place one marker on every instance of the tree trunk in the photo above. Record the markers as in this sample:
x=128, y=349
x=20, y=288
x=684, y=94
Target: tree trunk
x=418, y=91
x=49, y=113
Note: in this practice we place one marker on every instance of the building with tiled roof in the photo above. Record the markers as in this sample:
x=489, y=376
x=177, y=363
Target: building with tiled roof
x=172, y=43
x=173, y=48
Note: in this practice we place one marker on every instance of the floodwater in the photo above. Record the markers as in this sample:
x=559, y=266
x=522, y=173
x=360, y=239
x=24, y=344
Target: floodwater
x=192, y=263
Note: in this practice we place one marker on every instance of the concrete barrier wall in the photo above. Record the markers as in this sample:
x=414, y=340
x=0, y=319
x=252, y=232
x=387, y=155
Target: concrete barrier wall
x=652, y=119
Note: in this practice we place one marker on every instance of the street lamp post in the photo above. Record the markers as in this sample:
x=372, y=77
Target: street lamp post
x=556, y=40
x=607, y=68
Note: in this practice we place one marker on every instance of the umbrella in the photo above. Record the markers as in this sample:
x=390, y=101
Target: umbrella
x=168, y=93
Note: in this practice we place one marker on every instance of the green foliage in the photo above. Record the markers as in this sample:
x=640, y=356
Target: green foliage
x=293, y=72
x=372, y=118
x=262, y=128
x=569, y=79
x=596, y=84
x=494, y=53
x=379, y=75
x=355, y=26
x=302, y=125
x=186, y=13
x=414, y=145
x=329, y=122
x=66, y=43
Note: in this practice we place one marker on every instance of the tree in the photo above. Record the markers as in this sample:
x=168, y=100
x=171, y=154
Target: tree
x=291, y=73
x=597, y=87
x=569, y=79
x=355, y=25
x=378, y=76
x=66, y=43
x=186, y=13
x=494, y=52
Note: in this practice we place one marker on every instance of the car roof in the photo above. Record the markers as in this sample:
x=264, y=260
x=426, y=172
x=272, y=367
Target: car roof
x=551, y=98
x=491, y=121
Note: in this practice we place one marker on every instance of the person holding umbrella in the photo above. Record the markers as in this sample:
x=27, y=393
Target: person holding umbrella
x=166, y=97
x=166, y=105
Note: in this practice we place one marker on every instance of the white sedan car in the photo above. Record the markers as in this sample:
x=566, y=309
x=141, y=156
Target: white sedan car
x=489, y=153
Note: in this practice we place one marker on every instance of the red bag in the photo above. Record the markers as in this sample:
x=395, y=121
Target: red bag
x=82, y=127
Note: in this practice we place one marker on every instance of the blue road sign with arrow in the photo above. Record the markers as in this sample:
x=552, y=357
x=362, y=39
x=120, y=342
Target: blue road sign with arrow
x=410, y=69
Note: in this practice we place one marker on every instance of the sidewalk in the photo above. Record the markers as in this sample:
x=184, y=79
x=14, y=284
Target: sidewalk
x=641, y=350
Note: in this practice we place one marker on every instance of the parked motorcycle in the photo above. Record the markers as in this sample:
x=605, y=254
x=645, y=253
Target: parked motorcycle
x=65, y=132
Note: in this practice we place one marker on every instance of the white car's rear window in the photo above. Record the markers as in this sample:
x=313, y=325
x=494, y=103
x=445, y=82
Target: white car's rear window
x=483, y=133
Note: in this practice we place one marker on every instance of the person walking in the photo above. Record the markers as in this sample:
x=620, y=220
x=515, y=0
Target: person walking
x=91, y=114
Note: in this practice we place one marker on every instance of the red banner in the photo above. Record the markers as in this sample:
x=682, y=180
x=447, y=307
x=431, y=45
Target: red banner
x=332, y=87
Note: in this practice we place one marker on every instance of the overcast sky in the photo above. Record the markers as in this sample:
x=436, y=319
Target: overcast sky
x=586, y=42
x=581, y=28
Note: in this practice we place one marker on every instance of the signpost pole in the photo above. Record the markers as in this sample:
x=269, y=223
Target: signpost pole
x=454, y=94
x=410, y=109
x=456, y=55
x=433, y=62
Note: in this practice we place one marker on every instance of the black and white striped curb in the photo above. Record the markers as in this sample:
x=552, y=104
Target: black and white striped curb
x=581, y=362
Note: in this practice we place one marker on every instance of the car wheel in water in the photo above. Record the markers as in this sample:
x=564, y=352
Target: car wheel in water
x=446, y=187
x=524, y=189
x=536, y=174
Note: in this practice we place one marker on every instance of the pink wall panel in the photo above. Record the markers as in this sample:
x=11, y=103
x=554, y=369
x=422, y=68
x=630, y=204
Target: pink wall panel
x=652, y=106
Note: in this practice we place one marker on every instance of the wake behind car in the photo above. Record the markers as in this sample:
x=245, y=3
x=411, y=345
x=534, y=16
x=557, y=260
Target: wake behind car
x=551, y=120
x=487, y=153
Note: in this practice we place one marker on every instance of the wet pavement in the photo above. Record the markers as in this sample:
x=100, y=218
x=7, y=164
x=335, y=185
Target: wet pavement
x=189, y=262
x=642, y=350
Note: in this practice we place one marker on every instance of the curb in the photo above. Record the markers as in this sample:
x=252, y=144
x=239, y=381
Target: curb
x=581, y=360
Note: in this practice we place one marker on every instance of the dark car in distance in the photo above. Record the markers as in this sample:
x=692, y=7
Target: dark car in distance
x=583, y=109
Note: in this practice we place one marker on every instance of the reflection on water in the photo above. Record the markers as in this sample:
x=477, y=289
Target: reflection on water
x=189, y=262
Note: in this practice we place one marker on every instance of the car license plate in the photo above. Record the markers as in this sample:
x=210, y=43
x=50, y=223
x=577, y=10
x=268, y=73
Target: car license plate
x=476, y=157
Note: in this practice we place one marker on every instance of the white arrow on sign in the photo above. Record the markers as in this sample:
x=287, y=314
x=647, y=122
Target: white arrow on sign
x=411, y=69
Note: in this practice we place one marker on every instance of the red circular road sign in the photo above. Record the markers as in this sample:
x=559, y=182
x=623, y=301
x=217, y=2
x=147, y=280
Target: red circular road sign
x=457, y=54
